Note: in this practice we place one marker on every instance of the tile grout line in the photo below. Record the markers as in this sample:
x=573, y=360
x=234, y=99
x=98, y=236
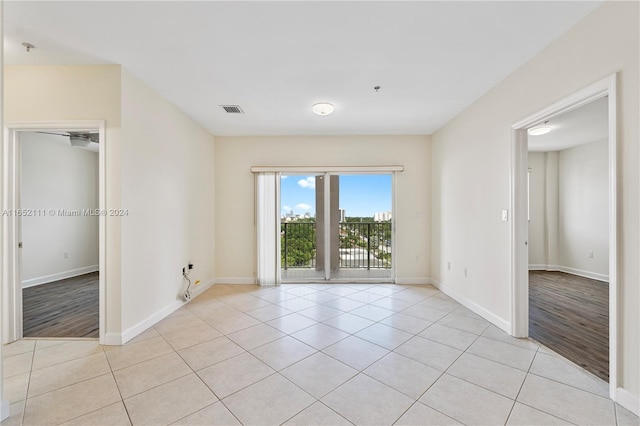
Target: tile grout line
x=315, y=304
x=156, y=356
x=441, y=375
x=249, y=352
x=126, y=410
x=303, y=390
x=530, y=406
x=515, y=400
x=499, y=362
x=416, y=400
x=26, y=396
x=361, y=371
x=142, y=362
x=569, y=385
x=215, y=394
x=61, y=387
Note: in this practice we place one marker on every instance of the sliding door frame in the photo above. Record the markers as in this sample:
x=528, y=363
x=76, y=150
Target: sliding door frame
x=327, y=172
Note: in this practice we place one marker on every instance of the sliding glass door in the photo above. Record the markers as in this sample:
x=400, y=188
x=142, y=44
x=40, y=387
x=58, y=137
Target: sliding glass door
x=301, y=228
x=336, y=227
x=362, y=225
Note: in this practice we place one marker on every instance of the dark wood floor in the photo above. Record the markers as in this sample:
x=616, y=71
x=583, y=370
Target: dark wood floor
x=570, y=315
x=65, y=308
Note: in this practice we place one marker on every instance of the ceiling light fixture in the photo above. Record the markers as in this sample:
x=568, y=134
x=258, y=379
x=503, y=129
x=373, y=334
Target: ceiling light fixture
x=540, y=130
x=322, y=108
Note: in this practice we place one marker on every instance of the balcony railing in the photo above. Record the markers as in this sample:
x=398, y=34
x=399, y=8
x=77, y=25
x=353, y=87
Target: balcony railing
x=363, y=245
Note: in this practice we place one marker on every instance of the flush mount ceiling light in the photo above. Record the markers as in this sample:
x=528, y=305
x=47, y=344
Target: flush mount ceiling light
x=322, y=108
x=540, y=130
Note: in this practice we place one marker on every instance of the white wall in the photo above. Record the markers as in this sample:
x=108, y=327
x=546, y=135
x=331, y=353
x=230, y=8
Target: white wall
x=159, y=166
x=552, y=207
x=537, y=207
x=167, y=171
x=583, y=209
x=51, y=93
x=235, y=232
x=56, y=176
x=471, y=159
x=569, y=203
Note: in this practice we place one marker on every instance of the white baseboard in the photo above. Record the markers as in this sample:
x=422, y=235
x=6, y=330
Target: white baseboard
x=586, y=274
x=235, y=280
x=201, y=288
x=252, y=280
x=152, y=319
x=537, y=267
x=628, y=400
x=501, y=323
x=131, y=332
x=572, y=271
x=4, y=409
x=59, y=276
x=413, y=280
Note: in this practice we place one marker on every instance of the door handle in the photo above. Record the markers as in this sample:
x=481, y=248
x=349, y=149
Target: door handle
x=20, y=244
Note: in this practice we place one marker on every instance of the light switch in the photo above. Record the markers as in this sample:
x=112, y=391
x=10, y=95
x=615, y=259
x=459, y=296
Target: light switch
x=505, y=215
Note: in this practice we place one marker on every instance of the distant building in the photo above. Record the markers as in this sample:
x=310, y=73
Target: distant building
x=343, y=215
x=382, y=217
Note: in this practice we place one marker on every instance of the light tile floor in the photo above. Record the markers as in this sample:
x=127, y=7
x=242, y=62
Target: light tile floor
x=307, y=355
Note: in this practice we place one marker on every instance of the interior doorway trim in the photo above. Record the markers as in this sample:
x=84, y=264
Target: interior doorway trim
x=10, y=200
x=519, y=224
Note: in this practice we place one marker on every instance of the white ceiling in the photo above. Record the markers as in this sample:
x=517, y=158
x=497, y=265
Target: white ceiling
x=275, y=59
x=589, y=123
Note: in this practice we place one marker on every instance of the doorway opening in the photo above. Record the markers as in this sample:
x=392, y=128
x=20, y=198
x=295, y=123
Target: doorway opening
x=59, y=233
x=568, y=236
x=336, y=227
x=54, y=222
x=526, y=245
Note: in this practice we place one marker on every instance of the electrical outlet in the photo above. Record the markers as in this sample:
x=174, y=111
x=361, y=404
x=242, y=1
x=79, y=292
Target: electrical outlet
x=465, y=273
x=590, y=255
x=448, y=266
x=66, y=255
x=417, y=259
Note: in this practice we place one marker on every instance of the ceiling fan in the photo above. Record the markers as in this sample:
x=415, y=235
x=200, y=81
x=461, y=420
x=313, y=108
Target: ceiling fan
x=82, y=139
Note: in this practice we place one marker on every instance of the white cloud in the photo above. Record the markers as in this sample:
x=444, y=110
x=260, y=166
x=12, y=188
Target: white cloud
x=286, y=209
x=283, y=177
x=303, y=206
x=309, y=182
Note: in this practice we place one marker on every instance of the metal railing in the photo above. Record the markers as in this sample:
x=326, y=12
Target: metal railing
x=363, y=245
x=298, y=244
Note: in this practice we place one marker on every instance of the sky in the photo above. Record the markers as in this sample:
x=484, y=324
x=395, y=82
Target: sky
x=360, y=195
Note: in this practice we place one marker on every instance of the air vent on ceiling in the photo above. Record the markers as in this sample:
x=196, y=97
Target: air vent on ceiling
x=232, y=109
